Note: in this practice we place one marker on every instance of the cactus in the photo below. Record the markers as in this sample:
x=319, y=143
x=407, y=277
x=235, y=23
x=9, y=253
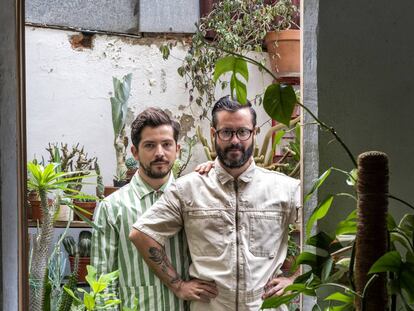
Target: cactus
x=131, y=163
x=99, y=182
x=65, y=301
x=85, y=243
x=70, y=245
x=119, y=105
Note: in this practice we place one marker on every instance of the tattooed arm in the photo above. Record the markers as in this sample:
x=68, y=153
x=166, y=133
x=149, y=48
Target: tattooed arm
x=154, y=255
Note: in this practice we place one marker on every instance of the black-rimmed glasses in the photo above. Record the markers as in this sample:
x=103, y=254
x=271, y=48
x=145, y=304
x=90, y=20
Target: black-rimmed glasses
x=241, y=133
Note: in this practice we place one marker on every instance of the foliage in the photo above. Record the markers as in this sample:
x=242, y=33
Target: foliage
x=91, y=300
x=131, y=163
x=186, y=152
x=119, y=106
x=330, y=258
x=238, y=26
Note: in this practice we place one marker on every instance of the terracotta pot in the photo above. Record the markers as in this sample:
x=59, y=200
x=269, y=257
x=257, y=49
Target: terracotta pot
x=64, y=213
x=36, y=209
x=130, y=173
x=82, y=271
x=88, y=206
x=284, y=52
x=108, y=190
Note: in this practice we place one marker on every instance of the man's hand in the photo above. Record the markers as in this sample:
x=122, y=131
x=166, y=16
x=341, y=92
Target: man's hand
x=196, y=289
x=205, y=167
x=276, y=286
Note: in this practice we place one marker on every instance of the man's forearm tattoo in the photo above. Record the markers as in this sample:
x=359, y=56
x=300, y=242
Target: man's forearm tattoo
x=158, y=256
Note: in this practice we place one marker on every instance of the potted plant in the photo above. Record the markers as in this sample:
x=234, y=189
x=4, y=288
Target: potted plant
x=46, y=180
x=239, y=26
x=132, y=166
x=283, y=41
x=85, y=206
x=82, y=249
x=119, y=107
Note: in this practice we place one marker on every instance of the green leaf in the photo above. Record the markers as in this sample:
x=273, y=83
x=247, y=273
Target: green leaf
x=240, y=87
x=231, y=64
x=279, y=102
x=71, y=293
x=407, y=224
x=352, y=178
x=88, y=301
x=319, y=182
x=319, y=213
x=277, y=301
x=326, y=269
x=340, y=297
x=320, y=240
x=406, y=279
x=310, y=259
x=349, y=225
x=391, y=261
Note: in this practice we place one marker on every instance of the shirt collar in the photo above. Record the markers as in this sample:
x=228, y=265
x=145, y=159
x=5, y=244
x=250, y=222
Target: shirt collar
x=142, y=189
x=225, y=177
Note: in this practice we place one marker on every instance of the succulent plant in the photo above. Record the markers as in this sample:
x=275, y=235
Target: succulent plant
x=85, y=243
x=131, y=163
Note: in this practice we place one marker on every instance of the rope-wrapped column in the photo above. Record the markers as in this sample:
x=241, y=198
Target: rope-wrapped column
x=371, y=238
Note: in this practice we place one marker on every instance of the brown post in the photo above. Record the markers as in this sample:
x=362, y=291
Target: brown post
x=371, y=238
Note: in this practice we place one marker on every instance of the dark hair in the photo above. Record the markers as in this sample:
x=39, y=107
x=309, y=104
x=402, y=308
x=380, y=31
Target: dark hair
x=152, y=117
x=227, y=104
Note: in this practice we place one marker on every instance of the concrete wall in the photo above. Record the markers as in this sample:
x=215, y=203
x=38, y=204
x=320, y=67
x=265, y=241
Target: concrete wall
x=365, y=65
x=68, y=91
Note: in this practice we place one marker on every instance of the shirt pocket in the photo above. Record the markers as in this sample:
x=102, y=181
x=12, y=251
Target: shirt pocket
x=204, y=230
x=265, y=233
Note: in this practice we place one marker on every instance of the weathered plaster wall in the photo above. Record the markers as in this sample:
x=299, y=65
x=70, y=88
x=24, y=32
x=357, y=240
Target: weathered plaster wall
x=68, y=90
x=365, y=89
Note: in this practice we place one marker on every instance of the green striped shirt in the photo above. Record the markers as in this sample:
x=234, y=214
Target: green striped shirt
x=112, y=250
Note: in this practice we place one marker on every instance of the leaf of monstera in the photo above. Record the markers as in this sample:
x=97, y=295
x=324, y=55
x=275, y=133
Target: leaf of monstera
x=237, y=66
x=391, y=261
x=279, y=101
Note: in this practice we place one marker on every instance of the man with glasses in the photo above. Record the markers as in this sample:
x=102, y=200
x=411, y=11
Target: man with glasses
x=235, y=218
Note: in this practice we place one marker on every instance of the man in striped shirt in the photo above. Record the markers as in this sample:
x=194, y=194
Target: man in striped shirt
x=154, y=137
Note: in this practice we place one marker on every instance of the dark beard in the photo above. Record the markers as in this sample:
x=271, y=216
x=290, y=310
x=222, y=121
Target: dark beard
x=222, y=154
x=155, y=174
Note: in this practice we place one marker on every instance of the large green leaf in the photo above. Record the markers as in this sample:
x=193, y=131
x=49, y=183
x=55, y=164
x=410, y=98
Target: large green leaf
x=391, y=261
x=406, y=279
x=320, y=240
x=326, y=269
x=237, y=66
x=349, y=225
x=279, y=102
x=319, y=212
x=310, y=259
x=89, y=301
x=338, y=296
x=319, y=182
x=277, y=301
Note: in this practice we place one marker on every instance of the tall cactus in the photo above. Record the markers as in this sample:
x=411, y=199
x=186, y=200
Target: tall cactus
x=119, y=105
x=66, y=300
x=41, y=245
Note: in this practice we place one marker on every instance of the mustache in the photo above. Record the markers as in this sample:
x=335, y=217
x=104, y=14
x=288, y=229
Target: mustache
x=234, y=147
x=157, y=161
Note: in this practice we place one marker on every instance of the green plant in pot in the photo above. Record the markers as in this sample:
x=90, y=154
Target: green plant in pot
x=239, y=26
x=46, y=181
x=119, y=108
x=132, y=166
x=82, y=248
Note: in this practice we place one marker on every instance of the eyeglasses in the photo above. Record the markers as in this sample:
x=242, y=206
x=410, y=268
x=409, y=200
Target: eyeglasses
x=241, y=133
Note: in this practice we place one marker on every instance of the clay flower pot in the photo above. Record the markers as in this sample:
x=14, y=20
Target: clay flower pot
x=82, y=271
x=87, y=206
x=284, y=52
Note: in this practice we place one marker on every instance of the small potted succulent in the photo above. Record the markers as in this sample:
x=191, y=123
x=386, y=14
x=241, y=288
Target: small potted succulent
x=132, y=166
x=82, y=248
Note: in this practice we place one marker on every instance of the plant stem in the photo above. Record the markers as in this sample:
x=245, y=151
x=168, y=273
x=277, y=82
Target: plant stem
x=370, y=281
x=401, y=201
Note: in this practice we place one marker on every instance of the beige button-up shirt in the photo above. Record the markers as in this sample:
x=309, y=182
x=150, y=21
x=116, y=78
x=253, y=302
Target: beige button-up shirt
x=237, y=230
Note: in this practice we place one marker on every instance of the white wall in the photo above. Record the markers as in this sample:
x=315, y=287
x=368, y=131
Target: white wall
x=68, y=90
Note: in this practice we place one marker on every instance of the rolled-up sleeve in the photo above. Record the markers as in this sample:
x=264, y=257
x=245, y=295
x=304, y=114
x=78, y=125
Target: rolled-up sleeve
x=163, y=219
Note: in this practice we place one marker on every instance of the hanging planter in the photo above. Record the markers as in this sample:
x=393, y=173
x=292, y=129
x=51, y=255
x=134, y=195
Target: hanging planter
x=284, y=52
